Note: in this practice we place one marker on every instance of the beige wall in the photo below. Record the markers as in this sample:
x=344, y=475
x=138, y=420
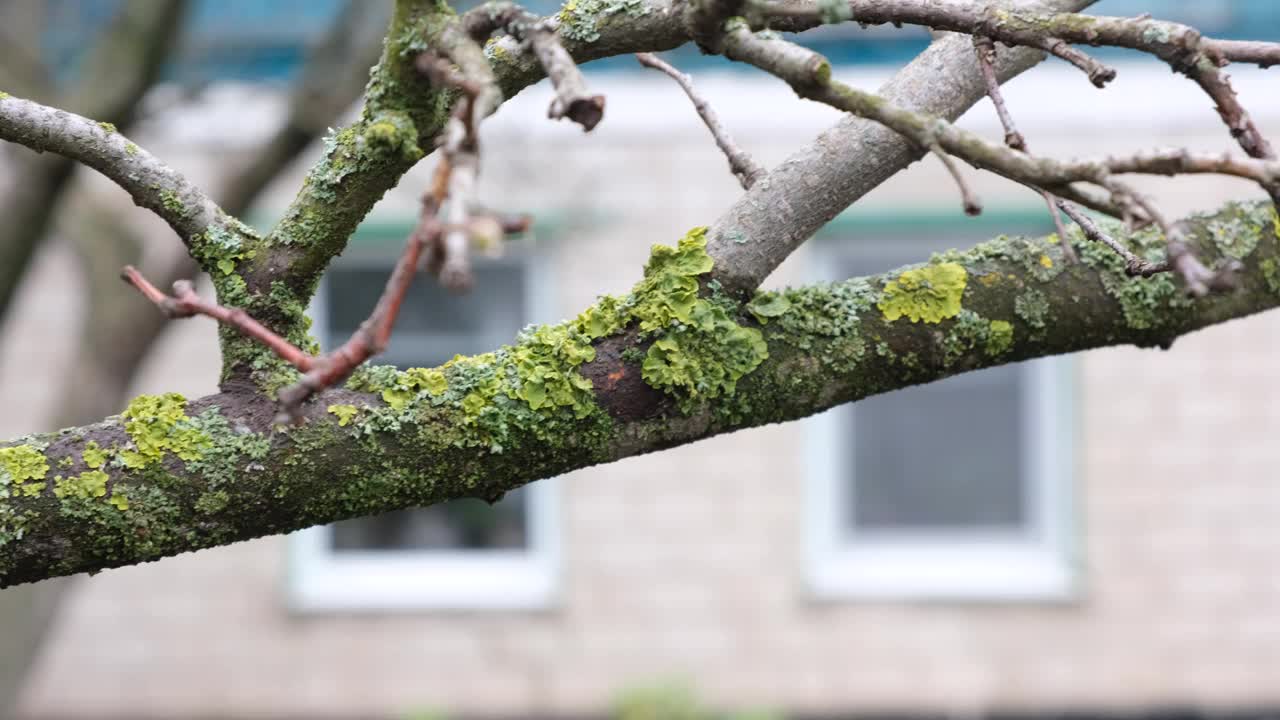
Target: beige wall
x=687, y=563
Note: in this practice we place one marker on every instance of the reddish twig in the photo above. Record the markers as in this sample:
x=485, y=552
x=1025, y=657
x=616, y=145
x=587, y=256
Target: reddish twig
x=186, y=303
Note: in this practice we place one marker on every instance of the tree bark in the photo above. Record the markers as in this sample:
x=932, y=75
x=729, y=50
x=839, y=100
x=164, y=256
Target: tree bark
x=171, y=476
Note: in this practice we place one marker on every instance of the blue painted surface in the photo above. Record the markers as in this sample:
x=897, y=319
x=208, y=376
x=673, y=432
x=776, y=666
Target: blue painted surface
x=266, y=40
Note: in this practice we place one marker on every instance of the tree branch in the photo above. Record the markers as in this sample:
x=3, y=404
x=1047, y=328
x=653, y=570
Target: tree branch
x=170, y=476
x=741, y=164
x=847, y=161
x=152, y=184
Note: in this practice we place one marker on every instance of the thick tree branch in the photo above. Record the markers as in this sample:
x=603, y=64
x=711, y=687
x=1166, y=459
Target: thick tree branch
x=169, y=477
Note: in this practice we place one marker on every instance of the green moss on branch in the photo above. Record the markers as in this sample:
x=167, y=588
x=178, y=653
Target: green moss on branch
x=170, y=476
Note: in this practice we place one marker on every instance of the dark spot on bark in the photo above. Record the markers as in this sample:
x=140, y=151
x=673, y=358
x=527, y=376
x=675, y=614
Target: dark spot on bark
x=620, y=389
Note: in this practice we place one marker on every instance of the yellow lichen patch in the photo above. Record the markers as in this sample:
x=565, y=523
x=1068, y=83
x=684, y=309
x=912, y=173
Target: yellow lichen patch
x=22, y=464
x=999, y=337
x=344, y=413
x=931, y=293
x=1046, y=261
x=88, y=484
x=94, y=456
x=158, y=424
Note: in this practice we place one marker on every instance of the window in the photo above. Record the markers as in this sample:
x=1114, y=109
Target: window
x=464, y=554
x=959, y=489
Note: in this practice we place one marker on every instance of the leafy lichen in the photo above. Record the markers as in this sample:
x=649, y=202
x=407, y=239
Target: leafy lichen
x=1236, y=236
x=699, y=350
x=344, y=413
x=930, y=293
x=24, y=467
x=1271, y=274
x=1145, y=302
x=999, y=337
x=1033, y=307
x=767, y=305
x=158, y=424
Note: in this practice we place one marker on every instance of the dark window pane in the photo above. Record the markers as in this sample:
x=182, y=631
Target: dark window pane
x=458, y=525
x=433, y=326
x=940, y=456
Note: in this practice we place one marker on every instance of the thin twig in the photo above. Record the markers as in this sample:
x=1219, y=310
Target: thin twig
x=972, y=205
x=985, y=50
x=186, y=303
x=1098, y=73
x=1133, y=265
x=741, y=164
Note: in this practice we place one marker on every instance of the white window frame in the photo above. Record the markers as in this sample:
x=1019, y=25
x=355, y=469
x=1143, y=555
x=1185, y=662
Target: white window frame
x=320, y=579
x=1039, y=564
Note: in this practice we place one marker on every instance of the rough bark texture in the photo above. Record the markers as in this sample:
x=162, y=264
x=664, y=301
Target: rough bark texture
x=170, y=476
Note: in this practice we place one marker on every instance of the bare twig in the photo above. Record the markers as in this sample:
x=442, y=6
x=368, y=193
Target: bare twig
x=1098, y=73
x=572, y=100
x=809, y=74
x=1181, y=46
x=1133, y=265
x=985, y=51
x=741, y=163
x=972, y=206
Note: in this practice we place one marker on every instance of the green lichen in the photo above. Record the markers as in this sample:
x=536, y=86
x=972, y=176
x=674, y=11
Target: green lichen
x=832, y=12
x=404, y=387
x=130, y=148
x=767, y=305
x=173, y=203
x=546, y=362
x=1145, y=302
x=94, y=456
x=999, y=338
x=344, y=413
x=699, y=350
x=24, y=467
x=1271, y=274
x=224, y=244
x=1237, y=236
x=393, y=133
x=969, y=332
x=930, y=293
x=88, y=484
x=704, y=358
x=582, y=19
x=158, y=424
x=211, y=503
x=1033, y=307
x=4, y=95
x=107, y=127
